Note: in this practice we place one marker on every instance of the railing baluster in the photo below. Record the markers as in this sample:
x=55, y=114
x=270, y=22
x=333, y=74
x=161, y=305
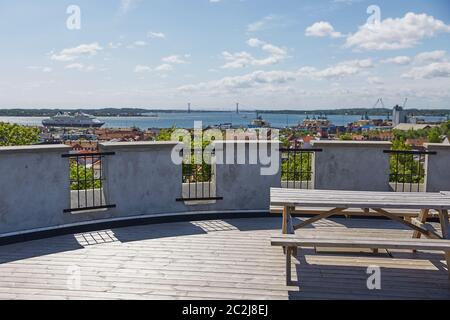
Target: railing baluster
x=93, y=181
x=101, y=180
x=78, y=181
x=403, y=160
x=198, y=177
x=85, y=184
x=298, y=173
x=301, y=172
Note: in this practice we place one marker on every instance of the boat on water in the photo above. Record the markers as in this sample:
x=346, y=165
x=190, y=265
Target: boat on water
x=259, y=122
x=77, y=120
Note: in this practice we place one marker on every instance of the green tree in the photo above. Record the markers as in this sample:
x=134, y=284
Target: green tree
x=165, y=134
x=434, y=136
x=405, y=168
x=83, y=177
x=16, y=135
x=346, y=137
x=296, y=166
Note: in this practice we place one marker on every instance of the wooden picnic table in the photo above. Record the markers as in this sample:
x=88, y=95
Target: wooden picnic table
x=380, y=202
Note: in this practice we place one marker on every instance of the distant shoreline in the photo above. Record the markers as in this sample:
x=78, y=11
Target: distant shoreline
x=138, y=112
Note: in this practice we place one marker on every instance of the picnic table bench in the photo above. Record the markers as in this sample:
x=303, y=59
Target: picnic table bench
x=383, y=203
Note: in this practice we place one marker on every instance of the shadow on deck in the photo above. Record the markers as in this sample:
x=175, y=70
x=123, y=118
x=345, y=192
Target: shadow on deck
x=216, y=259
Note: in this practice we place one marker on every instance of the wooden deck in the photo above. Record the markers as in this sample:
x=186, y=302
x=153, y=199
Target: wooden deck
x=223, y=259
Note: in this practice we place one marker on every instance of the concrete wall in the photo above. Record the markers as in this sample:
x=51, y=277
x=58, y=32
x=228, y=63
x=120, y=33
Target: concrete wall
x=140, y=179
x=34, y=184
x=352, y=165
x=245, y=186
x=143, y=180
x=438, y=168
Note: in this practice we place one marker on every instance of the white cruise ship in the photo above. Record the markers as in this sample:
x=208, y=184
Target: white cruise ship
x=78, y=120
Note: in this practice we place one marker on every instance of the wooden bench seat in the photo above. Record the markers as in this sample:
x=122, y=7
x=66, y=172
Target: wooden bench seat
x=292, y=242
x=407, y=214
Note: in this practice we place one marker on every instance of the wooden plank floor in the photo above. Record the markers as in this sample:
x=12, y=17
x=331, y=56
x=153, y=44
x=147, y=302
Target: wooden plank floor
x=223, y=259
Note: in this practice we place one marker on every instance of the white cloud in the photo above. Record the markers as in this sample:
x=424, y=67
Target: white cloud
x=142, y=68
x=244, y=59
x=340, y=70
x=421, y=58
x=375, y=80
x=140, y=43
x=278, y=79
x=430, y=71
x=164, y=67
x=431, y=56
x=39, y=68
x=175, y=59
x=127, y=5
x=71, y=54
x=322, y=29
x=76, y=66
x=251, y=80
x=400, y=60
x=398, y=33
x=79, y=67
x=253, y=42
x=265, y=23
x=115, y=45
x=158, y=35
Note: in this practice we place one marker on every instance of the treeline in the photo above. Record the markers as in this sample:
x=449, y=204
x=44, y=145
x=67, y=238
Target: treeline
x=106, y=112
x=434, y=134
x=362, y=111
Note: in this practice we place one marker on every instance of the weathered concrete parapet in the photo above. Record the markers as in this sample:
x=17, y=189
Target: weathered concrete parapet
x=141, y=178
x=34, y=184
x=352, y=165
x=245, y=182
x=437, y=167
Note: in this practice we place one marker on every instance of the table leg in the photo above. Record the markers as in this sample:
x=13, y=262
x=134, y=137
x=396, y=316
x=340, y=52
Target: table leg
x=447, y=258
x=288, y=266
x=443, y=217
x=290, y=226
x=423, y=216
x=289, y=223
x=284, y=224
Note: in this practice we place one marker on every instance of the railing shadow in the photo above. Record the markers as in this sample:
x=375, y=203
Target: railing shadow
x=37, y=248
x=330, y=282
x=157, y=231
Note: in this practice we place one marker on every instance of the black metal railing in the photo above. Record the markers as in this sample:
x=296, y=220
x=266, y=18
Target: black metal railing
x=407, y=169
x=297, y=168
x=87, y=181
x=198, y=178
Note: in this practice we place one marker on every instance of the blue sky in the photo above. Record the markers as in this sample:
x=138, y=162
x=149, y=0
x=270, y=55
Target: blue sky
x=285, y=54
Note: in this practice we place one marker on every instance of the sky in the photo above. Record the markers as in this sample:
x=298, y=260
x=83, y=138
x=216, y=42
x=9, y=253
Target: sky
x=284, y=54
